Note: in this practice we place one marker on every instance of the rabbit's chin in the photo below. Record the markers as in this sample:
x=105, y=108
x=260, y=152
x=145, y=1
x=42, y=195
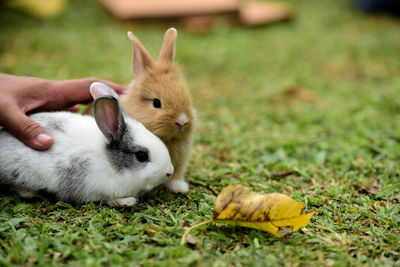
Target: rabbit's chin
x=150, y=185
x=173, y=135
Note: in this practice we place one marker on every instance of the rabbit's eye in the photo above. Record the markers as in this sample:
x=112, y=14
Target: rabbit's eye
x=157, y=103
x=142, y=156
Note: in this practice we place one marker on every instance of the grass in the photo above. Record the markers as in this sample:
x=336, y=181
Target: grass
x=338, y=128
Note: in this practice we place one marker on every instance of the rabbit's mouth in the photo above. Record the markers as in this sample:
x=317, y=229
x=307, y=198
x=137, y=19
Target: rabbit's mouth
x=175, y=133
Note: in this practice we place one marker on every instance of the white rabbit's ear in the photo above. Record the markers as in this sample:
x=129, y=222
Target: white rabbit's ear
x=167, y=52
x=98, y=89
x=109, y=118
x=141, y=58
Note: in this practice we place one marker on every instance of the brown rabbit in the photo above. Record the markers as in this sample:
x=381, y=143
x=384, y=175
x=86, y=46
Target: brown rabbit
x=159, y=98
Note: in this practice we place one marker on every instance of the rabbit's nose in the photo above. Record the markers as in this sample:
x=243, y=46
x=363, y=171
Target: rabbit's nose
x=182, y=121
x=180, y=126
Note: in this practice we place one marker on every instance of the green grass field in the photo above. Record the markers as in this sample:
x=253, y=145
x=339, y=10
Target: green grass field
x=319, y=95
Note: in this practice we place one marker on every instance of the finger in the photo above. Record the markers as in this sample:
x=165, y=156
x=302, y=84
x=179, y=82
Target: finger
x=117, y=88
x=84, y=84
x=70, y=92
x=26, y=130
x=74, y=108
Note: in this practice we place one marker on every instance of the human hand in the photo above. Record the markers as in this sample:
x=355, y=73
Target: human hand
x=20, y=95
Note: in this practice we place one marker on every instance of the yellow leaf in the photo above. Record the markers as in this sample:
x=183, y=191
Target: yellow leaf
x=40, y=8
x=275, y=213
x=360, y=159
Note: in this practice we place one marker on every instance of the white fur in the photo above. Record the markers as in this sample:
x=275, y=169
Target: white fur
x=183, y=119
x=125, y=202
x=80, y=137
x=26, y=193
x=177, y=186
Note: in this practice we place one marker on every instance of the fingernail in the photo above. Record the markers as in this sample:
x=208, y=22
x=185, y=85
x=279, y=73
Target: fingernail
x=44, y=139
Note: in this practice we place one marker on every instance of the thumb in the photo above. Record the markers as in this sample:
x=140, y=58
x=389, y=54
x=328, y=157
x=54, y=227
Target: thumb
x=27, y=131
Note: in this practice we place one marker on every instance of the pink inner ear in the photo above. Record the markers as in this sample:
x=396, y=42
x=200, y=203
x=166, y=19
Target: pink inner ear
x=167, y=52
x=111, y=118
x=137, y=61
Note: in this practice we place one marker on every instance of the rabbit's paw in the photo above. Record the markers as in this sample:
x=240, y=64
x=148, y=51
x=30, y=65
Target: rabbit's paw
x=177, y=186
x=122, y=202
x=26, y=193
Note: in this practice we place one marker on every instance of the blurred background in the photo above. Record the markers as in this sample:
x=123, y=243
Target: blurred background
x=319, y=78
x=310, y=88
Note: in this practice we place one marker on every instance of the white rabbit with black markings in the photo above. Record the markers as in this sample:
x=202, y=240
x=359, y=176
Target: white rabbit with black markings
x=111, y=157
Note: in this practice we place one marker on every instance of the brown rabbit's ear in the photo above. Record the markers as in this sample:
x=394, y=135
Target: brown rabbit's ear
x=141, y=58
x=167, y=52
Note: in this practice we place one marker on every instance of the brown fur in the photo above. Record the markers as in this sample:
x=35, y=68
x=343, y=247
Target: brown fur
x=162, y=79
x=164, y=82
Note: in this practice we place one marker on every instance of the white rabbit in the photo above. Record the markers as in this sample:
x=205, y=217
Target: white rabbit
x=114, y=164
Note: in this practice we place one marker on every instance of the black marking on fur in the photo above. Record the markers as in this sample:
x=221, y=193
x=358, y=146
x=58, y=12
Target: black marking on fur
x=72, y=175
x=122, y=154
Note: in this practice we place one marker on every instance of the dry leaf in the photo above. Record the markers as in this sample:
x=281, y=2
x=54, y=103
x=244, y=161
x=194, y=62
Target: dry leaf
x=283, y=174
x=295, y=95
x=56, y=255
x=373, y=190
x=191, y=240
x=360, y=159
x=42, y=8
x=275, y=213
x=368, y=188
